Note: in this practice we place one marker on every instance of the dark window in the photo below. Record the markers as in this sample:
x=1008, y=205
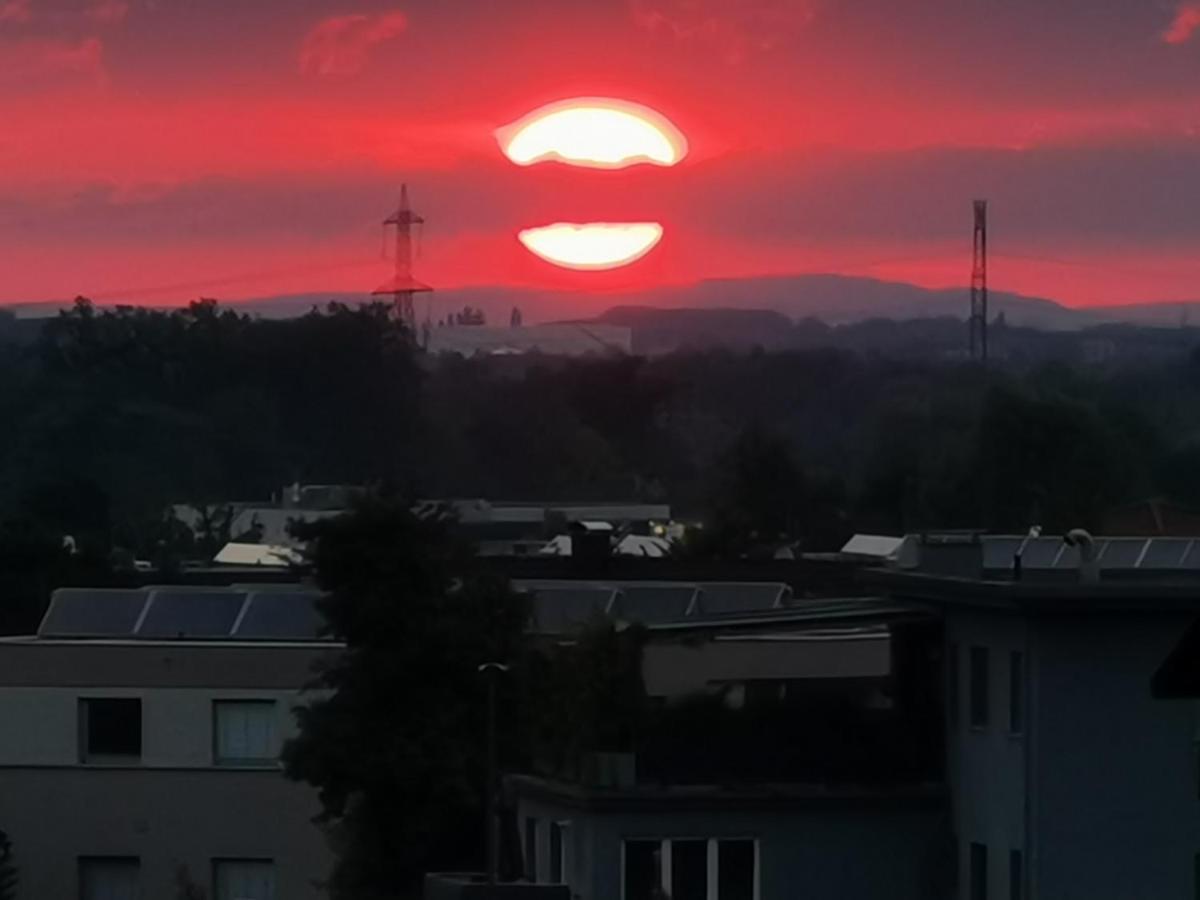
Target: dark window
x=243, y=879
x=556, y=853
x=1016, y=874
x=735, y=870
x=109, y=878
x=1196, y=867
x=531, y=872
x=689, y=870
x=979, y=872
x=641, y=869
x=1016, y=693
x=979, y=687
x=111, y=727
x=952, y=701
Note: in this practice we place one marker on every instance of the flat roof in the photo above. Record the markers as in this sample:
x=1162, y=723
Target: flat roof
x=686, y=798
x=1161, y=594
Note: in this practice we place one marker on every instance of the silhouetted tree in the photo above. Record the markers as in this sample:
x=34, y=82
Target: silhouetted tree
x=396, y=750
x=8, y=870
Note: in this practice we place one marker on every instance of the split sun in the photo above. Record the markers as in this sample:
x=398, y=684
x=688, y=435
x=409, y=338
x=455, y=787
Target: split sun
x=600, y=134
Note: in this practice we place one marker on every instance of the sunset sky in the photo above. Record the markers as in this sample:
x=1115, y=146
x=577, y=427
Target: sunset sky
x=159, y=150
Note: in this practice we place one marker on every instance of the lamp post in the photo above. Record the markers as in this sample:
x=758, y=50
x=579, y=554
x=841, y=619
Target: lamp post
x=492, y=670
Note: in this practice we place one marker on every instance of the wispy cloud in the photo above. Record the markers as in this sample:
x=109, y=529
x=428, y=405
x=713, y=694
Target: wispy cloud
x=15, y=11
x=38, y=60
x=734, y=30
x=108, y=11
x=342, y=45
x=1185, y=24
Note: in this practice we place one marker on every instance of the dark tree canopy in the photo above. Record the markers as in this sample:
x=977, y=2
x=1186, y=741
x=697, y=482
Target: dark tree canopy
x=397, y=746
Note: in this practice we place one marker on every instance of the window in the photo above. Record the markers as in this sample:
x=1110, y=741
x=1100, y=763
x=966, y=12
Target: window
x=690, y=869
x=110, y=728
x=243, y=879
x=109, y=878
x=642, y=877
x=244, y=732
x=1016, y=693
x=558, y=852
x=735, y=870
x=952, y=701
x=979, y=687
x=1016, y=874
x=979, y=872
x=531, y=829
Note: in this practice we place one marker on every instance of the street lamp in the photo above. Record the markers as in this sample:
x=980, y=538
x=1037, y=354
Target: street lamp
x=492, y=670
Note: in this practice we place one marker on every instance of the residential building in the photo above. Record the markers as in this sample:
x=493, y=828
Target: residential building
x=793, y=751
x=141, y=745
x=1071, y=735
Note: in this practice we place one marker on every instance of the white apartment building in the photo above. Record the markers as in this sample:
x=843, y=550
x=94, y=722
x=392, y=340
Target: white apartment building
x=141, y=740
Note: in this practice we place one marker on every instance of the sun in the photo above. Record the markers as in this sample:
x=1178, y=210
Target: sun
x=595, y=132
x=595, y=246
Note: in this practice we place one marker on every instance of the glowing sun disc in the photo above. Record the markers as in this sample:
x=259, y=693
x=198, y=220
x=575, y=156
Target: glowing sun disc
x=598, y=245
x=595, y=132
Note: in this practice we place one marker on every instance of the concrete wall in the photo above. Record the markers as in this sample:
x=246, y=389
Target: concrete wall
x=166, y=818
x=1101, y=792
x=671, y=669
x=986, y=766
x=41, y=725
x=1117, y=803
x=173, y=806
x=817, y=854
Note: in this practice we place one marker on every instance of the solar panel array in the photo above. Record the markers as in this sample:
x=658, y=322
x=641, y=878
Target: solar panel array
x=247, y=613
x=1112, y=554
x=561, y=607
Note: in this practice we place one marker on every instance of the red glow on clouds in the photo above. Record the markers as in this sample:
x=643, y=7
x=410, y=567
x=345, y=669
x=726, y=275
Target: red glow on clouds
x=821, y=137
x=342, y=45
x=1185, y=24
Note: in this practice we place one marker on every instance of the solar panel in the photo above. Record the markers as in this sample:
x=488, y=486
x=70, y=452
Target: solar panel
x=1041, y=553
x=1192, y=559
x=196, y=614
x=998, y=552
x=91, y=612
x=1070, y=557
x=718, y=597
x=1165, y=553
x=1122, y=553
x=652, y=604
x=278, y=614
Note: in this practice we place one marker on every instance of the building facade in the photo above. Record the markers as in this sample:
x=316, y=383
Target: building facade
x=1069, y=778
x=131, y=766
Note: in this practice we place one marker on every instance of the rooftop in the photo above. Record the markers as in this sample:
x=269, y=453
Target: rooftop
x=284, y=613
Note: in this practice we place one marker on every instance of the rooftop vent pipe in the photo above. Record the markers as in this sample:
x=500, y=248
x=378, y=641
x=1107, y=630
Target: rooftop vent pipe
x=1089, y=565
x=1035, y=531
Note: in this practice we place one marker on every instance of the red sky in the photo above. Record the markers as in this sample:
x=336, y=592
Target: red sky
x=157, y=150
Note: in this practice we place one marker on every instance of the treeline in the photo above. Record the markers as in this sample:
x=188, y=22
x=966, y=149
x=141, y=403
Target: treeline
x=113, y=415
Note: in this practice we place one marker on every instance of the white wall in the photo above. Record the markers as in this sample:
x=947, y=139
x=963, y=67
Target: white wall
x=1117, y=803
x=41, y=725
x=1101, y=793
x=986, y=767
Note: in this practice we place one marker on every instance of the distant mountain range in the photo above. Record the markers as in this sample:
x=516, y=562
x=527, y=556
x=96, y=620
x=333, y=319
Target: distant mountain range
x=835, y=299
